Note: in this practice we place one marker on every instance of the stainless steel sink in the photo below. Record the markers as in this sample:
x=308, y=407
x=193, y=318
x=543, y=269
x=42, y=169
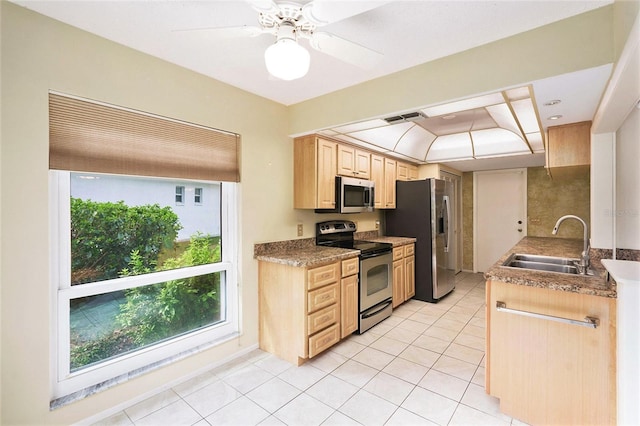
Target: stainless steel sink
x=563, y=265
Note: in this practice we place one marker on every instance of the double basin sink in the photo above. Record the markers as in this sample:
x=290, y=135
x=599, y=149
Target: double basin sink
x=536, y=262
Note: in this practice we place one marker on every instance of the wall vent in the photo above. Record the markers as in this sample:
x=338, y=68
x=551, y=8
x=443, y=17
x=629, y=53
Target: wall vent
x=410, y=116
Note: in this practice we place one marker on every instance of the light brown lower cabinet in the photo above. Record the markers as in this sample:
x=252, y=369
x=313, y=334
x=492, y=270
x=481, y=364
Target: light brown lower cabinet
x=304, y=311
x=544, y=369
x=404, y=273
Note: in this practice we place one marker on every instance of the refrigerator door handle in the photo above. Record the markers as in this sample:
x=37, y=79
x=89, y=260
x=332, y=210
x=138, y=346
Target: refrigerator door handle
x=445, y=203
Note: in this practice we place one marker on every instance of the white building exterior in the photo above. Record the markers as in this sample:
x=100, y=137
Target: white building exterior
x=196, y=203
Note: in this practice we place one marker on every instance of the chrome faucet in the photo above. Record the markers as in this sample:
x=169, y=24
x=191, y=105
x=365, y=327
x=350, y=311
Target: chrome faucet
x=583, y=265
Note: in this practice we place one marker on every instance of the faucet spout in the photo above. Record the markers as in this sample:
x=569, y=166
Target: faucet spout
x=584, y=258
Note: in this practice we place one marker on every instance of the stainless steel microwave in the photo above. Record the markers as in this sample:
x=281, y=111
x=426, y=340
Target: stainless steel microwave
x=353, y=195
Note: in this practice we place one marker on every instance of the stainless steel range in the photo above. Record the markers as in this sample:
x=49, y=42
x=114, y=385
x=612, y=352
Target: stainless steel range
x=375, y=280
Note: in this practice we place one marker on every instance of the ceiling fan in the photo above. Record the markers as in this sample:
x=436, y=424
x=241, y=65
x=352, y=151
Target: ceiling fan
x=290, y=21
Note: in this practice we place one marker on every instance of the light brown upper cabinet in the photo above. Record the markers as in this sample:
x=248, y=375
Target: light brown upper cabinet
x=568, y=145
x=354, y=162
x=389, y=195
x=406, y=171
x=314, y=173
x=383, y=173
x=377, y=176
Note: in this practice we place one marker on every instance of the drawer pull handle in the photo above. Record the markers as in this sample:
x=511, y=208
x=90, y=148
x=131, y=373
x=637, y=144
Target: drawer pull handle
x=590, y=322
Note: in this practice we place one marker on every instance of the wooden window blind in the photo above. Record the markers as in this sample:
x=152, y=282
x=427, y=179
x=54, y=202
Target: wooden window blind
x=87, y=136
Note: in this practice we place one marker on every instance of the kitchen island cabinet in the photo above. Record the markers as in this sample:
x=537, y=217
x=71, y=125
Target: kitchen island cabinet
x=551, y=340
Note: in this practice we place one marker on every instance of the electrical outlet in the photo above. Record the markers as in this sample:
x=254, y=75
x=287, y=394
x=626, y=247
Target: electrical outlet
x=300, y=230
x=377, y=224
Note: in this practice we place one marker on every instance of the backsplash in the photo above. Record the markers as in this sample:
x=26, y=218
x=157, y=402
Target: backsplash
x=621, y=254
x=549, y=199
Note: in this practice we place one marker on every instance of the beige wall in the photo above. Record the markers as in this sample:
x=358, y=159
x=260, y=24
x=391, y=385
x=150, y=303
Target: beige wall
x=467, y=221
x=39, y=54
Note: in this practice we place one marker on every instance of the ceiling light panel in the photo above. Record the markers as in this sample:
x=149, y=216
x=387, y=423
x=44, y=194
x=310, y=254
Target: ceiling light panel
x=504, y=118
x=491, y=142
x=526, y=114
x=363, y=125
x=450, y=147
x=518, y=93
x=358, y=142
x=415, y=142
x=464, y=105
x=386, y=137
x=535, y=140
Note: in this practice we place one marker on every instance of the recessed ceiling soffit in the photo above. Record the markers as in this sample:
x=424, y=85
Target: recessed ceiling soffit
x=498, y=124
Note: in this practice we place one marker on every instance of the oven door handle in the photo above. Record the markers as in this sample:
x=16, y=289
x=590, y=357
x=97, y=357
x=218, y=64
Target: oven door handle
x=377, y=311
x=374, y=254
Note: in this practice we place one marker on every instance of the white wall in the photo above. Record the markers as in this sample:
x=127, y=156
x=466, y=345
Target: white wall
x=602, y=173
x=628, y=183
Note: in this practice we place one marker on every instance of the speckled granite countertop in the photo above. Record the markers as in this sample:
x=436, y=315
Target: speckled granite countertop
x=305, y=253
x=395, y=241
x=301, y=253
x=594, y=285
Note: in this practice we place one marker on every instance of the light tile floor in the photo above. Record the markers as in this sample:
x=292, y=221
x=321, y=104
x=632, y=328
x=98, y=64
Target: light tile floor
x=422, y=366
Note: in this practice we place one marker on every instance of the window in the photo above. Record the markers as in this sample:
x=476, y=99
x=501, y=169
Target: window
x=179, y=195
x=197, y=196
x=137, y=282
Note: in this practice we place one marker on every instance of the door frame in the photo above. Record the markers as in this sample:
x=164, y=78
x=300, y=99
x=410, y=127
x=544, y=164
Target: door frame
x=475, y=207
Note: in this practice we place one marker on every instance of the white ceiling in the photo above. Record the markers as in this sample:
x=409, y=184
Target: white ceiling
x=406, y=33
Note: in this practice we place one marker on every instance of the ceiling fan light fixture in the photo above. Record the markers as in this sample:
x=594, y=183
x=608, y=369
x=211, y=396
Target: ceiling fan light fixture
x=286, y=59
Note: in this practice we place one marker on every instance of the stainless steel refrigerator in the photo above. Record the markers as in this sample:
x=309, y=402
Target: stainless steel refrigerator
x=423, y=211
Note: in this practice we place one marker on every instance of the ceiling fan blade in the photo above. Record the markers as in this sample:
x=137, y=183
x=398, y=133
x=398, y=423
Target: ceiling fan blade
x=264, y=6
x=345, y=50
x=223, y=33
x=323, y=12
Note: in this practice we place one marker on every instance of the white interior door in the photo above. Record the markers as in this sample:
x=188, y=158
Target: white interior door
x=500, y=214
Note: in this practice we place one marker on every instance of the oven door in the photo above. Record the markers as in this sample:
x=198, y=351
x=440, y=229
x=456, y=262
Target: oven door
x=376, y=279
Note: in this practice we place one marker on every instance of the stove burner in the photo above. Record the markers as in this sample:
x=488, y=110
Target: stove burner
x=339, y=233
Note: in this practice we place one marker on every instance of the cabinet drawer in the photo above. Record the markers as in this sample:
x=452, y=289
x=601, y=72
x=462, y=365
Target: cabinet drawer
x=398, y=252
x=323, y=275
x=322, y=297
x=323, y=318
x=323, y=340
x=409, y=250
x=350, y=267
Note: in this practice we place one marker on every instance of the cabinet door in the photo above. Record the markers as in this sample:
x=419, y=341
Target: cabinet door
x=413, y=172
x=569, y=145
x=409, y=277
x=550, y=372
x=402, y=171
x=346, y=160
x=349, y=305
x=398, y=282
x=378, y=177
x=326, y=169
x=362, y=166
x=389, y=183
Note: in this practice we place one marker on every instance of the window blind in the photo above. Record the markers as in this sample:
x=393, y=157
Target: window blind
x=88, y=136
